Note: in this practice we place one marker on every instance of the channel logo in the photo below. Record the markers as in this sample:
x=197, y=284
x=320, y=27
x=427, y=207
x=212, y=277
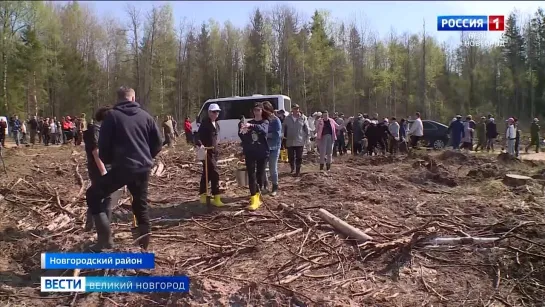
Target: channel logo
x=471, y=23
x=62, y=284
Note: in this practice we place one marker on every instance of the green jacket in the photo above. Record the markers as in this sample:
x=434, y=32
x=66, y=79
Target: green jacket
x=481, y=130
x=534, y=131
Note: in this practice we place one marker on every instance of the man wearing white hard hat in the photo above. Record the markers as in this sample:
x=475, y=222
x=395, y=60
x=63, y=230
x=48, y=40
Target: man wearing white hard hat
x=207, y=135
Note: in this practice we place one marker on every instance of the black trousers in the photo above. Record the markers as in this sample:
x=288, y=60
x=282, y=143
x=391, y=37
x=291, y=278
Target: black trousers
x=414, y=141
x=108, y=201
x=295, y=156
x=256, y=173
x=358, y=148
x=104, y=186
x=213, y=175
x=340, y=145
x=2, y=138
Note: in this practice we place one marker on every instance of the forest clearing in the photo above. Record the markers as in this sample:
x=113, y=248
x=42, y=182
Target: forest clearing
x=286, y=254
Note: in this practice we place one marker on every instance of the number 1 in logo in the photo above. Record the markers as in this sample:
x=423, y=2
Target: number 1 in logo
x=496, y=23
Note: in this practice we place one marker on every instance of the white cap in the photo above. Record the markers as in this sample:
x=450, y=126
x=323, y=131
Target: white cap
x=214, y=107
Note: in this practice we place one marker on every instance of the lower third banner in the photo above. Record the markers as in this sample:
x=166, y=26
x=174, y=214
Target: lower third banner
x=115, y=284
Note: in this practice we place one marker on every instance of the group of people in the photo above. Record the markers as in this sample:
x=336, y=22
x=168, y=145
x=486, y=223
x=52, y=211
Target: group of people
x=270, y=131
x=464, y=133
x=48, y=131
x=361, y=134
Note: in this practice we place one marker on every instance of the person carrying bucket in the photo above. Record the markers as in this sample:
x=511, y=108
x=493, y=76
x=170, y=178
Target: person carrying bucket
x=253, y=135
x=208, y=137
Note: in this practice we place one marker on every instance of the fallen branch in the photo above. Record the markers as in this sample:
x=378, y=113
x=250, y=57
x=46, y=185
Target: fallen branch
x=284, y=235
x=342, y=226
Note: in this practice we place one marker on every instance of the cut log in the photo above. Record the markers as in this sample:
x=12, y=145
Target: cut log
x=342, y=226
x=515, y=180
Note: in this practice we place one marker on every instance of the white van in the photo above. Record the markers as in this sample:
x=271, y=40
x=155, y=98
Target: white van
x=233, y=108
x=7, y=123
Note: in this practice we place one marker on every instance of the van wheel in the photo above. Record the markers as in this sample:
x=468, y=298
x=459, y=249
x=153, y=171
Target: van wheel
x=438, y=144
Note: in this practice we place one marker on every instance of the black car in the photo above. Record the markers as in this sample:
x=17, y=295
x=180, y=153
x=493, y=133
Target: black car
x=435, y=134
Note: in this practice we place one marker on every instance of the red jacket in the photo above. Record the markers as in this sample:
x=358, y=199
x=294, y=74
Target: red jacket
x=187, y=126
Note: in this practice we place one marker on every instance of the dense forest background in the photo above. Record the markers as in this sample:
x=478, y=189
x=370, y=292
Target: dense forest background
x=64, y=59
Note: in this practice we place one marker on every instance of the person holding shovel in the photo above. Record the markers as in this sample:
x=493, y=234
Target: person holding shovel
x=253, y=135
x=207, y=137
x=95, y=167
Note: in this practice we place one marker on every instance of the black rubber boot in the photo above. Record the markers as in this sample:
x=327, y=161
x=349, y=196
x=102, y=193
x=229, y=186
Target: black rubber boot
x=321, y=167
x=297, y=171
x=328, y=166
x=144, y=232
x=104, y=233
x=89, y=224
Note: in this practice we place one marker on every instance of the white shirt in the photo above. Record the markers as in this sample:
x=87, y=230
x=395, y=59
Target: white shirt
x=511, y=133
x=417, y=129
x=53, y=128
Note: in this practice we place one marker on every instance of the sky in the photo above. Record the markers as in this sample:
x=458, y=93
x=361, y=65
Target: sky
x=380, y=16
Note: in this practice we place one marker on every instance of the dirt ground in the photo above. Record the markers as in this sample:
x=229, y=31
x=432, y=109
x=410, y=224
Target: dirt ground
x=284, y=254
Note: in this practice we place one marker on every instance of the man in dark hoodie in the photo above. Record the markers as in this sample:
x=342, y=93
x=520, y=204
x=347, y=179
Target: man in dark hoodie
x=129, y=140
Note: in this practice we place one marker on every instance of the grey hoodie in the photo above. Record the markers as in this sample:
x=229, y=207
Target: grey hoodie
x=296, y=130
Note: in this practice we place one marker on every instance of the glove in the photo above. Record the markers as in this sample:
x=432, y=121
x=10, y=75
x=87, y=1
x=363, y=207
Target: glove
x=201, y=153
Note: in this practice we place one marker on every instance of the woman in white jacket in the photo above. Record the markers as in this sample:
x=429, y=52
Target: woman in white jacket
x=511, y=136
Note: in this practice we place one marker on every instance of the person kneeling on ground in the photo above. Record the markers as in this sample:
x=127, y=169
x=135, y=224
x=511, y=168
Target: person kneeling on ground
x=95, y=167
x=253, y=135
x=326, y=135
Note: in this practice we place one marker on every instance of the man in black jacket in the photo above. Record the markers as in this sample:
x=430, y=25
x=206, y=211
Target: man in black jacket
x=491, y=133
x=129, y=140
x=209, y=131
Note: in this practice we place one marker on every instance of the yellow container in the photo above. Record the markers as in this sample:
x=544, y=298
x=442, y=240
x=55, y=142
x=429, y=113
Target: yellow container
x=283, y=155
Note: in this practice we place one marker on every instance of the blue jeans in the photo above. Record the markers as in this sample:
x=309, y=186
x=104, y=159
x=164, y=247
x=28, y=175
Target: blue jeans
x=17, y=137
x=273, y=165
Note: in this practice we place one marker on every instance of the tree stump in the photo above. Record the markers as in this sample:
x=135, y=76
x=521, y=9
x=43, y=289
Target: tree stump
x=515, y=180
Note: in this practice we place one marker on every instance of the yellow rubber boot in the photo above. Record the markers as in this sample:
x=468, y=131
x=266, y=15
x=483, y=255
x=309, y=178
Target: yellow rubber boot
x=203, y=198
x=216, y=201
x=255, y=202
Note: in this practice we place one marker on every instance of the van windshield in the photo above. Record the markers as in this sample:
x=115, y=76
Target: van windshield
x=234, y=109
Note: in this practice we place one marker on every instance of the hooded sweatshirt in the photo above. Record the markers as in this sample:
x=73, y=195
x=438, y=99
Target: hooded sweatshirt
x=129, y=138
x=254, y=142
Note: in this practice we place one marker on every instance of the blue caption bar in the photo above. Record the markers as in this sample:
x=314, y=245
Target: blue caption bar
x=462, y=23
x=98, y=261
x=115, y=284
x=137, y=284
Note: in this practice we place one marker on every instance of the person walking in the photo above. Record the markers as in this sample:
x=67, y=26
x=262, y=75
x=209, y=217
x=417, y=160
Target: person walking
x=168, y=131
x=393, y=142
x=274, y=140
x=95, y=167
x=129, y=139
x=534, y=136
x=457, y=132
x=296, y=131
x=481, y=134
x=33, y=127
x=253, y=136
x=16, y=130
x=416, y=130
x=207, y=136
x=326, y=135
x=3, y=128
x=187, y=131
x=510, y=136
x=491, y=133
x=358, y=134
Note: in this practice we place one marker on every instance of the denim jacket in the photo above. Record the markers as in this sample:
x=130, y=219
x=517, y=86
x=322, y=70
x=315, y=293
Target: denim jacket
x=274, y=134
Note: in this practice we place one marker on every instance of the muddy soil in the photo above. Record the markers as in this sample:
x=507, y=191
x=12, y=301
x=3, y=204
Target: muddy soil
x=234, y=259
